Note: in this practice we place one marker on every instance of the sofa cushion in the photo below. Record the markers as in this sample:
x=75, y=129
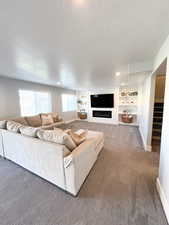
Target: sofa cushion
x=13, y=126
x=57, y=136
x=3, y=124
x=95, y=135
x=77, y=138
x=20, y=120
x=34, y=121
x=47, y=119
x=29, y=131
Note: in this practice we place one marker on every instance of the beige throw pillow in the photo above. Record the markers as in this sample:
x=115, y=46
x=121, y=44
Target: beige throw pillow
x=29, y=131
x=47, y=119
x=55, y=117
x=13, y=126
x=57, y=136
x=77, y=138
x=3, y=124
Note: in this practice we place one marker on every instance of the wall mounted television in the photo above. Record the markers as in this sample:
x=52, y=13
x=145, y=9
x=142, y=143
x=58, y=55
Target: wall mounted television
x=102, y=101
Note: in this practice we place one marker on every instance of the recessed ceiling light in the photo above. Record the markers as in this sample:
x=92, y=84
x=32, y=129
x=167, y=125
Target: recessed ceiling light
x=58, y=83
x=117, y=74
x=79, y=2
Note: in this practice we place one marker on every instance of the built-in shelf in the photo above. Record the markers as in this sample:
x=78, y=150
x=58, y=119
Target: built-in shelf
x=128, y=99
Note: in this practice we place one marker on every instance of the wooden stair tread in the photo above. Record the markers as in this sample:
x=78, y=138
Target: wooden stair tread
x=156, y=138
x=157, y=129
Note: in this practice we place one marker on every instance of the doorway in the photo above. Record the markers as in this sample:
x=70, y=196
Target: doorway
x=160, y=78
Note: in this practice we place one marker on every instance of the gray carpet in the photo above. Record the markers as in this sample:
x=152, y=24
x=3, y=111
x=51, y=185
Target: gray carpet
x=120, y=189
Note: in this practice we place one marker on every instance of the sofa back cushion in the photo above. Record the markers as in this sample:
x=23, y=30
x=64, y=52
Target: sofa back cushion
x=34, y=121
x=20, y=120
x=13, y=126
x=47, y=119
x=57, y=136
x=3, y=124
x=29, y=131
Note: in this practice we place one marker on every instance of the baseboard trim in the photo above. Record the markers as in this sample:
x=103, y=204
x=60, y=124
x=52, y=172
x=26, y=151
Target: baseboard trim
x=163, y=198
x=108, y=121
x=147, y=148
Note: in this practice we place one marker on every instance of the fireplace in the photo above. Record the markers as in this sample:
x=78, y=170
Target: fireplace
x=102, y=114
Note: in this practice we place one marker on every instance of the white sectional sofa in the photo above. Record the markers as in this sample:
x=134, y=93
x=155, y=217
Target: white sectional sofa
x=51, y=161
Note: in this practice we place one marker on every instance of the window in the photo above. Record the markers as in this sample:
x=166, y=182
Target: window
x=68, y=102
x=32, y=102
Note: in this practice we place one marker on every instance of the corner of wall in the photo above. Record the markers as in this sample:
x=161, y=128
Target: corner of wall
x=147, y=148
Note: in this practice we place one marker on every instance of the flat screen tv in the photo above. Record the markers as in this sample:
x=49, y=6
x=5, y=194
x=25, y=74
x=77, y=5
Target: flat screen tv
x=102, y=101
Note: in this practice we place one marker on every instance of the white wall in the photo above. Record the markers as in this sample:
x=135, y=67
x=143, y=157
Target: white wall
x=146, y=110
x=148, y=90
x=9, y=97
x=163, y=180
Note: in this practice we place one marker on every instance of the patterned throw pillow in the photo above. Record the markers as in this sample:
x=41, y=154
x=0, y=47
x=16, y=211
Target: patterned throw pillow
x=47, y=119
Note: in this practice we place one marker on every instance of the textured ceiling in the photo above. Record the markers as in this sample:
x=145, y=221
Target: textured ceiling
x=81, y=43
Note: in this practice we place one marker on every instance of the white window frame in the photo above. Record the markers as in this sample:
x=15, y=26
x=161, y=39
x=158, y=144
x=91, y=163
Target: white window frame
x=69, y=103
x=36, y=104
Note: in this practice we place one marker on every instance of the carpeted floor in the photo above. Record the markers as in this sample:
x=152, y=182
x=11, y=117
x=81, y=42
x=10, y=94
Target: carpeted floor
x=120, y=189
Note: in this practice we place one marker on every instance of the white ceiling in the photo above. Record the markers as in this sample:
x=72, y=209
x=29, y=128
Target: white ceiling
x=81, y=43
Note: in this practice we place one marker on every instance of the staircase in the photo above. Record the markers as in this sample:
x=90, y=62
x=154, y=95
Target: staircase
x=157, y=121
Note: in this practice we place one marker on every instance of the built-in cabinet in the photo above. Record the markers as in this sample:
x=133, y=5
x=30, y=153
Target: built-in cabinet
x=125, y=102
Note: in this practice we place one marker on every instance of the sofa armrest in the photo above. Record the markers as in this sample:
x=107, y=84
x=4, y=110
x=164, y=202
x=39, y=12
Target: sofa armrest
x=78, y=164
x=50, y=127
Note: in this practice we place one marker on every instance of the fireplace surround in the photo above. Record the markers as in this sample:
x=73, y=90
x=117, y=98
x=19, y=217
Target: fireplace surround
x=102, y=113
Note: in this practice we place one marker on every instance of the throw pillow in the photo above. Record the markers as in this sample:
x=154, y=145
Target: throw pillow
x=13, y=126
x=47, y=119
x=3, y=124
x=55, y=117
x=78, y=138
x=66, y=131
x=57, y=136
x=29, y=131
